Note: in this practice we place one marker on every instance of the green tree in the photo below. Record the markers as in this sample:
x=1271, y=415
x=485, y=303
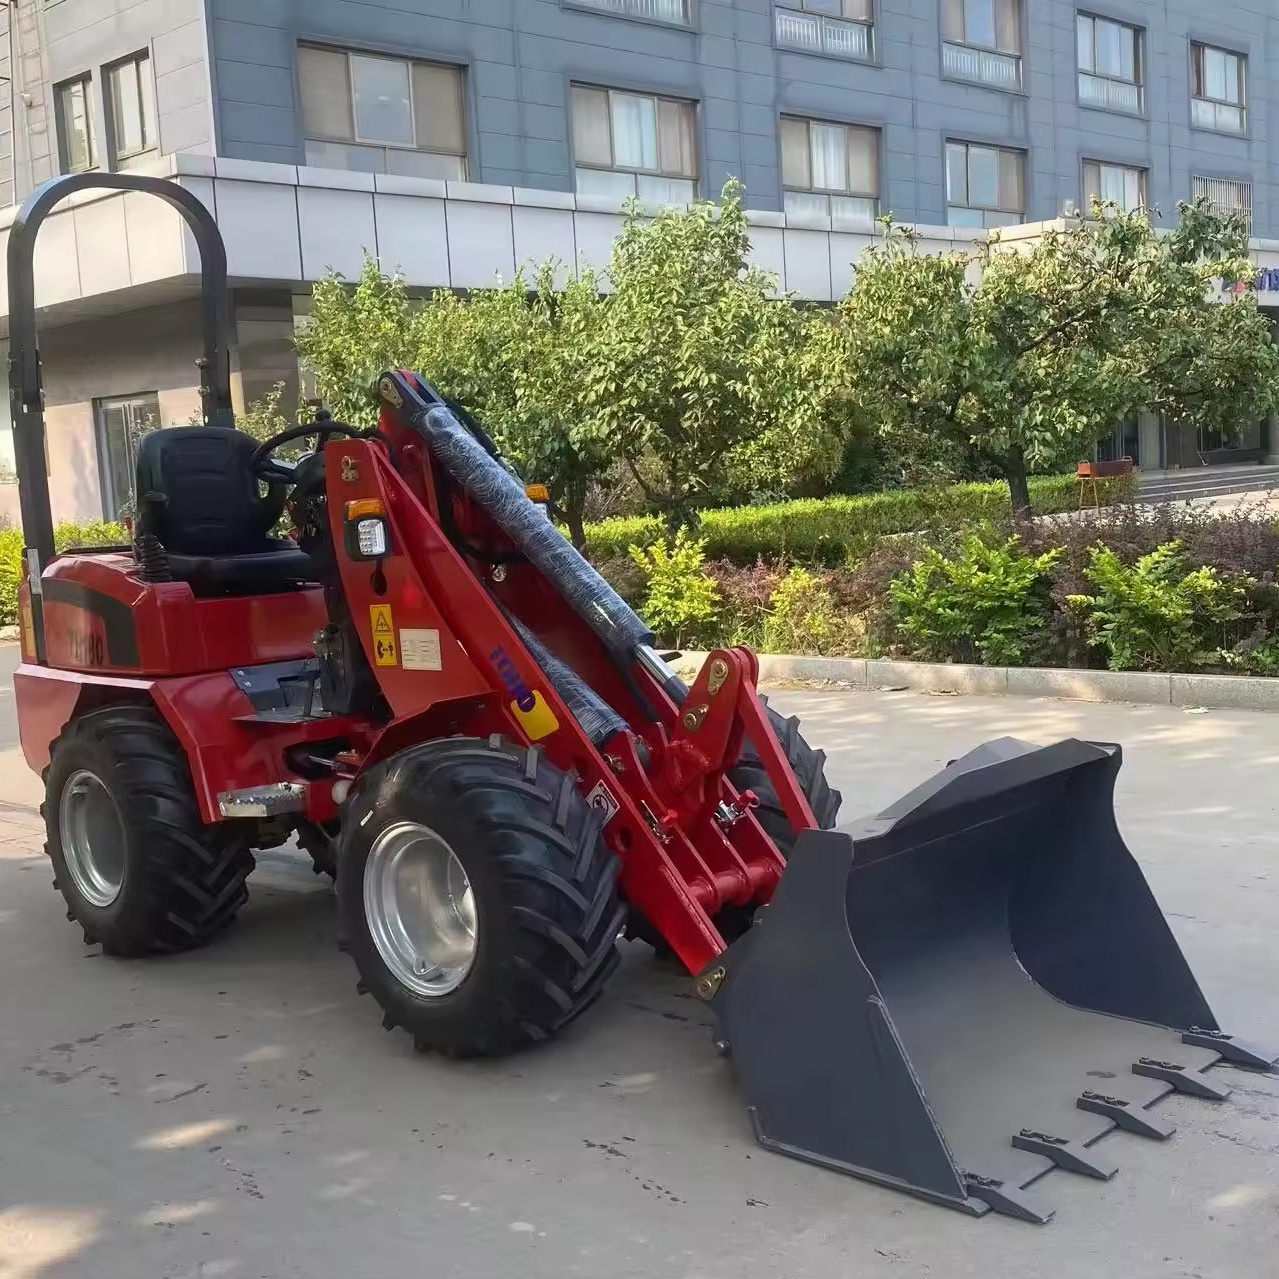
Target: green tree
x=707, y=380
x=1023, y=353
x=514, y=355
x=354, y=334
x=517, y=357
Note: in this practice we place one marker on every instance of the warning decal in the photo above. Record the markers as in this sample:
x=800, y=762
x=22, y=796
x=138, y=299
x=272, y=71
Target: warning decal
x=383, y=635
x=603, y=799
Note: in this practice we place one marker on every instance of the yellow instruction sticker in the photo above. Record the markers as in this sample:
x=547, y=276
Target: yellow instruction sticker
x=383, y=625
x=537, y=719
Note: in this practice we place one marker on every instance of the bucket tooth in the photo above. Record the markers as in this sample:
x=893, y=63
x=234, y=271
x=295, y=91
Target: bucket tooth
x=1191, y=1082
x=1233, y=1050
x=1134, y=1119
x=1065, y=1152
x=1006, y=1198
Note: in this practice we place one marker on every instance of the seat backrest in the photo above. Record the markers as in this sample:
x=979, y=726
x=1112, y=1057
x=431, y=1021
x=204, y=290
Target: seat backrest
x=213, y=503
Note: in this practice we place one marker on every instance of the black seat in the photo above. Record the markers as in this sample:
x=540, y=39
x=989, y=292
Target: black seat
x=197, y=493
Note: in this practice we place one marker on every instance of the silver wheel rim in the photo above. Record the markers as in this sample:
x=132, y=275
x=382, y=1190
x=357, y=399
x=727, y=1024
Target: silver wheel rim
x=92, y=838
x=420, y=909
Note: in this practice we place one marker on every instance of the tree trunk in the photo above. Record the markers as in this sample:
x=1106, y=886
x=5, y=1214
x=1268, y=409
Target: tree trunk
x=1018, y=488
x=576, y=524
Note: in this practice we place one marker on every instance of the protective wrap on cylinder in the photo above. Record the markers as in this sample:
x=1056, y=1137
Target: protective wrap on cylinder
x=501, y=495
x=598, y=719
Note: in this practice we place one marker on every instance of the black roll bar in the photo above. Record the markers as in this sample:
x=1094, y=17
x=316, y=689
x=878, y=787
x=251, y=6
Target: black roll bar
x=26, y=387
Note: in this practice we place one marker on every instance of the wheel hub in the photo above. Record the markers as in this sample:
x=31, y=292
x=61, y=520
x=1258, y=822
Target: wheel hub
x=92, y=838
x=420, y=909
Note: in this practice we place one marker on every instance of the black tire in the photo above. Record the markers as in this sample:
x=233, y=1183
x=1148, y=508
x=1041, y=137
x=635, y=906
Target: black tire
x=320, y=843
x=809, y=767
x=544, y=885
x=183, y=881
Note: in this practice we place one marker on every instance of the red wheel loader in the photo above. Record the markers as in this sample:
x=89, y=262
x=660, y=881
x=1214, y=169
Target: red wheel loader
x=442, y=700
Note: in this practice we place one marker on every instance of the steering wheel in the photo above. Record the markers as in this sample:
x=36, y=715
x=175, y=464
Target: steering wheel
x=275, y=470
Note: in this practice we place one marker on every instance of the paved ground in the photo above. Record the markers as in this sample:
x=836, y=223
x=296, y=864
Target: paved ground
x=239, y=1112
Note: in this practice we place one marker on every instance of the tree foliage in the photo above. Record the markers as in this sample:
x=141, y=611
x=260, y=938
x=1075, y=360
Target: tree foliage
x=706, y=379
x=680, y=363
x=1024, y=352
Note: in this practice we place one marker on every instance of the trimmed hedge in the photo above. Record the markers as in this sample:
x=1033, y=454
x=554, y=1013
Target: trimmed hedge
x=99, y=533
x=831, y=530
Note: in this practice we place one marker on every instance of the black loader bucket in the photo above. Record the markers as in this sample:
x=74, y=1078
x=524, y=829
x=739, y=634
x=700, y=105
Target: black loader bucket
x=971, y=989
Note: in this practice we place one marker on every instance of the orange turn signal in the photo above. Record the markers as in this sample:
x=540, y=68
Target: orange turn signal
x=363, y=507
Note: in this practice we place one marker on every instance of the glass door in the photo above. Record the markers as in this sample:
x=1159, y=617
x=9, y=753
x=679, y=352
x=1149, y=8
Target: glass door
x=121, y=423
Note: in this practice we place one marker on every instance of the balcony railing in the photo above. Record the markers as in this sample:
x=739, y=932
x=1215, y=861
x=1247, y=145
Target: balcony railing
x=658, y=10
x=1224, y=117
x=1003, y=70
x=818, y=34
x=831, y=212
x=1110, y=95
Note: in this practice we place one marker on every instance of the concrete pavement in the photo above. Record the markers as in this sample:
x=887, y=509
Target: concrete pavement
x=238, y=1112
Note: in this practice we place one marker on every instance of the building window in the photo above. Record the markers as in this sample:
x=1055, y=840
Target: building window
x=675, y=11
x=382, y=115
x=985, y=186
x=630, y=144
x=1219, y=98
x=121, y=423
x=131, y=111
x=1123, y=442
x=981, y=41
x=1114, y=183
x=1224, y=195
x=830, y=173
x=842, y=28
x=73, y=108
x=1110, y=64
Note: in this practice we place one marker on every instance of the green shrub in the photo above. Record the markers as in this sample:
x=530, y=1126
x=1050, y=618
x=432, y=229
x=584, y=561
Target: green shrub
x=681, y=600
x=1159, y=614
x=832, y=530
x=98, y=533
x=10, y=574
x=990, y=604
x=803, y=618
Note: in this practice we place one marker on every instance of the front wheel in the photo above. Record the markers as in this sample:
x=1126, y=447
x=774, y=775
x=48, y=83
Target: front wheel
x=476, y=895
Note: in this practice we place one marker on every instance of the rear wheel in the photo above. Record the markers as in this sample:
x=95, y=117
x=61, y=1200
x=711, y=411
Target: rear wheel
x=476, y=895
x=139, y=869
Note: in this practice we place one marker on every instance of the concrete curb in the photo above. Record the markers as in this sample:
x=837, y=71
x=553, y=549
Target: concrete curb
x=1235, y=692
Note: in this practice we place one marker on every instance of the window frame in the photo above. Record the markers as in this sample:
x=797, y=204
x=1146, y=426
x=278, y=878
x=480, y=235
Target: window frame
x=349, y=50
x=146, y=96
x=656, y=96
x=1198, y=71
x=113, y=501
x=1017, y=55
x=877, y=137
x=1140, y=62
x=84, y=82
x=1141, y=170
x=1023, y=154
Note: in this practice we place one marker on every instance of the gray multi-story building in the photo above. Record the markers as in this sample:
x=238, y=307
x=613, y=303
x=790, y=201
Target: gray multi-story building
x=460, y=139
